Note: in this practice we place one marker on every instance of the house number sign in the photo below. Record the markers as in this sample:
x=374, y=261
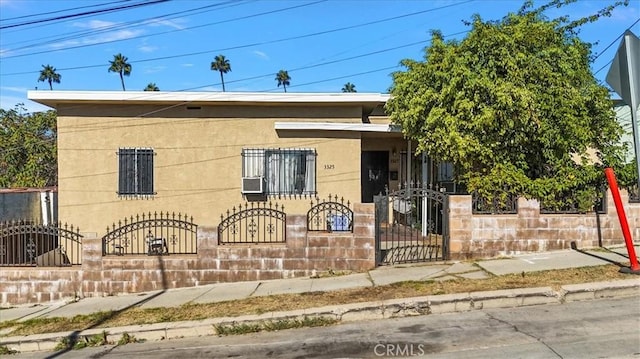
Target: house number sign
x=329, y=167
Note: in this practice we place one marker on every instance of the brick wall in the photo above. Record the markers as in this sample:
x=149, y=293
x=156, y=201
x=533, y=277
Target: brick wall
x=486, y=236
x=304, y=254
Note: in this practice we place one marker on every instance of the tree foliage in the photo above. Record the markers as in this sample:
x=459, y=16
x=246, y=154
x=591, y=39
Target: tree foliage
x=50, y=75
x=349, y=87
x=222, y=65
x=120, y=64
x=514, y=106
x=151, y=86
x=28, y=152
x=283, y=79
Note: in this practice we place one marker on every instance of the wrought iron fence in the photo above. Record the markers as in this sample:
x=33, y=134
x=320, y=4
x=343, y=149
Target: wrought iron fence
x=29, y=243
x=573, y=207
x=330, y=215
x=634, y=194
x=253, y=223
x=152, y=234
x=481, y=205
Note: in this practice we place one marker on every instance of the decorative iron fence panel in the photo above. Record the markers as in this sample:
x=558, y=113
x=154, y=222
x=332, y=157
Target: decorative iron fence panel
x=152, y=234
x=412, y=225
x=331, y=215
x=253, y=223
x=599, y=206
x=28, y=243
x=483, y=206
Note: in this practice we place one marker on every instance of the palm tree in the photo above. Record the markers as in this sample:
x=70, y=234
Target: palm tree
x=283, y=79
x=220, y=63
x=349, y=87
x=49, y=74
x=121, y=66
x=151, y=87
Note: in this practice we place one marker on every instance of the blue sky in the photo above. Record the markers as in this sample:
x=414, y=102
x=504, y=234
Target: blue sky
x=322, y=44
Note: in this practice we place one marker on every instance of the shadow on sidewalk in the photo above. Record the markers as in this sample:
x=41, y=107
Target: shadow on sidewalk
x=74, y=337
x=619, y=264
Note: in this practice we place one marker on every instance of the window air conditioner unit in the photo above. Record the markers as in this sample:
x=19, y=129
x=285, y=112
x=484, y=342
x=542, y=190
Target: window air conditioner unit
x=253, y=185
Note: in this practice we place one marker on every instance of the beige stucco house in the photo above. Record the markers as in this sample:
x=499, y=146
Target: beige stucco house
x=202, y=153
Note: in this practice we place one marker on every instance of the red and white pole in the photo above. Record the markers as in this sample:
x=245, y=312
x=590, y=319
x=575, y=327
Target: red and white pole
x=613, y=185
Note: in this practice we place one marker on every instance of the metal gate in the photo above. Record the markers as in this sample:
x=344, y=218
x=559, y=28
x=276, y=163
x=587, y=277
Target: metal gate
x=412, y=225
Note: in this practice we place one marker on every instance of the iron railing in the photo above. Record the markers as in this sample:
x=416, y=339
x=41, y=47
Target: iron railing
x=152, y=234
x=330, y=215
x=634, y=194
x=253, y=223
x=572, y=207
x=29, y=243
x=481, y=205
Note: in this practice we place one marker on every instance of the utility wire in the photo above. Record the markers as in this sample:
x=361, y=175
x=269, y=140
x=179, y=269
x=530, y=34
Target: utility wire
x=112, y=9
x=256, y=43
x=59, y=11
x=167, y=32
x=120, y=26
x=615, y=40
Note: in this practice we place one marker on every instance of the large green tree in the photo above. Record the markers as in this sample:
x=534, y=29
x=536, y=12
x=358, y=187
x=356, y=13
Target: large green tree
x=50, y=75
x=515, y=107
x=222, y=65
x=283, y=79
x=120, y=64
x=28, y=156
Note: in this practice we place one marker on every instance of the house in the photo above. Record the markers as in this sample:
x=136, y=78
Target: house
x=203, y=153
x=168, y=190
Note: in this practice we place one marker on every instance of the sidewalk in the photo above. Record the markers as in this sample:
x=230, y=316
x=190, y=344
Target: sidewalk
x=377, y=277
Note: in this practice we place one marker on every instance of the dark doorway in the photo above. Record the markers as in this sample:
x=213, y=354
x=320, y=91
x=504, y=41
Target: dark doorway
x=374, y=175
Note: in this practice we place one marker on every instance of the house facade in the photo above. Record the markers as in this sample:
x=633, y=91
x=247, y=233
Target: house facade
x=122, y=153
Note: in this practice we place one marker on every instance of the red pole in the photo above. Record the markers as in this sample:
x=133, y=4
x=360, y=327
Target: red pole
x=613, y=185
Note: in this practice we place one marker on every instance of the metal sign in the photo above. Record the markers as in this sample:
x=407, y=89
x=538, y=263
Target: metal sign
x=624, y=78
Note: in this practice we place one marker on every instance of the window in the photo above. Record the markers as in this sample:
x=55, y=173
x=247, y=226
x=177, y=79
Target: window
x=285, y=171
x=135, y=174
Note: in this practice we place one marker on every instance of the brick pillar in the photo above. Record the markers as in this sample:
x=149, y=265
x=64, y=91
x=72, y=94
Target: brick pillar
x=460, y=226
x=92, y=275
x=364, y=240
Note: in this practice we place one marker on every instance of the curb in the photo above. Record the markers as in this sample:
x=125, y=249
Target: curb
x=395, y=308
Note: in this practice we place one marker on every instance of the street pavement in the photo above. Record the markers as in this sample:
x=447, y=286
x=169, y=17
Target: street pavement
x=437, y=271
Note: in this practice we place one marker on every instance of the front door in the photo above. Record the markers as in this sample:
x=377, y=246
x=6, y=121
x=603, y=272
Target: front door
x=374, y=176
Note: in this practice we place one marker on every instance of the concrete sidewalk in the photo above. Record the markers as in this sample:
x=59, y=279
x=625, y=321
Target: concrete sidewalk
x=380, y=276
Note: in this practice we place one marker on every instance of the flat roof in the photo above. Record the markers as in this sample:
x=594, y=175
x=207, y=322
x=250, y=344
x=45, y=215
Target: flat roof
x=54, y=98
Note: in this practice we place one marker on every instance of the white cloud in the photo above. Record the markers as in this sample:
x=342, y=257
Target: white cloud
x=14, y=89
x=5, y=52
x=147, y=48
x=160, y=22
x=109, y=32
x=153, y=69
x=261, y=54
x=187, y=65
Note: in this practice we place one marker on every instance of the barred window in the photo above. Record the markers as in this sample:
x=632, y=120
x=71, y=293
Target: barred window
x=135, y=174
x=285, y=171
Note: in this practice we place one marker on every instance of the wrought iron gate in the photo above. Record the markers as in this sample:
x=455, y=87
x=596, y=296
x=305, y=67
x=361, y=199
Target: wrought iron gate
x=412, y=225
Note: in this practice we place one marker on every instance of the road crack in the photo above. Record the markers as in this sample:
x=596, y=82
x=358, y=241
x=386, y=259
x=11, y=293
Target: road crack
x=515, y=327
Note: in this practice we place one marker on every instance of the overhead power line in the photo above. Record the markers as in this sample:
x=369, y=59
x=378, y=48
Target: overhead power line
x=45, y=40
x=59, y=11
x=167, y=32
x=254, y=44
x=56, y=18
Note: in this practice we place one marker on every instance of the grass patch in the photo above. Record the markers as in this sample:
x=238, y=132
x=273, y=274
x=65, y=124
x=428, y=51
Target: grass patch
x=285, y=302
x=272, y=325
x=4, y=350
x=96, y=340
